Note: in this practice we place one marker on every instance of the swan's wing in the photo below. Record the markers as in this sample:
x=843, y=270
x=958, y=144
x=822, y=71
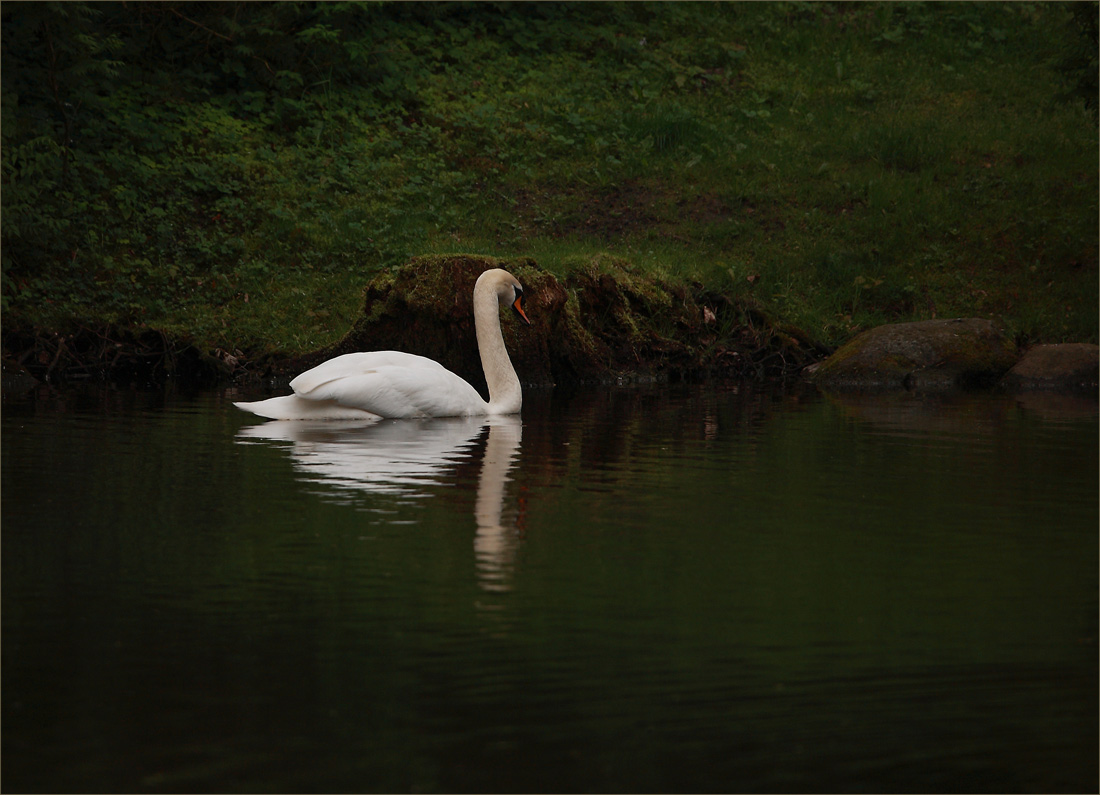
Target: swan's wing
x=292, y=407
x=351, y=364
x=402, y=391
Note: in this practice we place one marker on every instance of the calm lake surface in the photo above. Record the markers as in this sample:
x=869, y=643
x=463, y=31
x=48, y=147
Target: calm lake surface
x=718, y=588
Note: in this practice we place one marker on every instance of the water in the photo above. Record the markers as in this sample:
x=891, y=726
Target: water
x=668, y=589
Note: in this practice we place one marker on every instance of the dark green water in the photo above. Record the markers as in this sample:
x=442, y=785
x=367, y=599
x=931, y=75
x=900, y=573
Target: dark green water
x=678, y=589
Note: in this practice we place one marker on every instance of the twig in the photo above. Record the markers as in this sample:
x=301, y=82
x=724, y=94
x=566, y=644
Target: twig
x=200, y=25
x=220, y=36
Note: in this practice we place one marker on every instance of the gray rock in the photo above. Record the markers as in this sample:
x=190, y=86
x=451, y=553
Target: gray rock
x=927, y=355
x=1056, y=367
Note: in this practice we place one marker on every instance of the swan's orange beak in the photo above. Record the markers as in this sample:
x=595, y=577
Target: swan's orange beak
x=517, y=307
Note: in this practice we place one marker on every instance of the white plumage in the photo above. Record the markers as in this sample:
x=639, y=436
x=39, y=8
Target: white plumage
x=392, y=384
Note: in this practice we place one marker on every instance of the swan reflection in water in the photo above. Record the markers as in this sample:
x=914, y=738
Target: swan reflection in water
x=403, y=458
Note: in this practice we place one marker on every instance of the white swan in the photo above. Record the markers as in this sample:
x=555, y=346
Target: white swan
x=397, y=385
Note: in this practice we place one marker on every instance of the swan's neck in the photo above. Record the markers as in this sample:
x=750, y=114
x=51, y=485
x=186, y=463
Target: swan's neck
x=505, y=394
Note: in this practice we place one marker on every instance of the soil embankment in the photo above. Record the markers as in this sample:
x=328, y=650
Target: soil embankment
x=602, y=323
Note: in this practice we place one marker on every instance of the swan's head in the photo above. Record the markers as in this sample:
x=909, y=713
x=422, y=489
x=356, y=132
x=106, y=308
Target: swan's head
x=507, y=288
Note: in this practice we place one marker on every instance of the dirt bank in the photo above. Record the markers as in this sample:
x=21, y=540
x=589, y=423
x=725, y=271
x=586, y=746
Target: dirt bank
x=604, y=322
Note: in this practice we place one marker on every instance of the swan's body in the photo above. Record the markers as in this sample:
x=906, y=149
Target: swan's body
x=391, y=384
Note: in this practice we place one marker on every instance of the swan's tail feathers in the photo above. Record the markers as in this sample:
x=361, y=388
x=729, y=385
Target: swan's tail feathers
x=292, y=407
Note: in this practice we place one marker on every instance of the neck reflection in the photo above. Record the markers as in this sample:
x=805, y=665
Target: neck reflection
x=496, y=541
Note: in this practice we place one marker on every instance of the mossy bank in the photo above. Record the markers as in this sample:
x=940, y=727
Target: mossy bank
x=604, y=322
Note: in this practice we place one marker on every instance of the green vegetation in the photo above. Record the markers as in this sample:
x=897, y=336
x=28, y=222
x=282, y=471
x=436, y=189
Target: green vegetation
x=235, y=173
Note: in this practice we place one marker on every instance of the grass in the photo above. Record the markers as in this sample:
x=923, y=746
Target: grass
x=852, y=180
x=847, y=164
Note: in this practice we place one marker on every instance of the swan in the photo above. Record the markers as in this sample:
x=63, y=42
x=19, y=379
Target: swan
x=391, y=384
